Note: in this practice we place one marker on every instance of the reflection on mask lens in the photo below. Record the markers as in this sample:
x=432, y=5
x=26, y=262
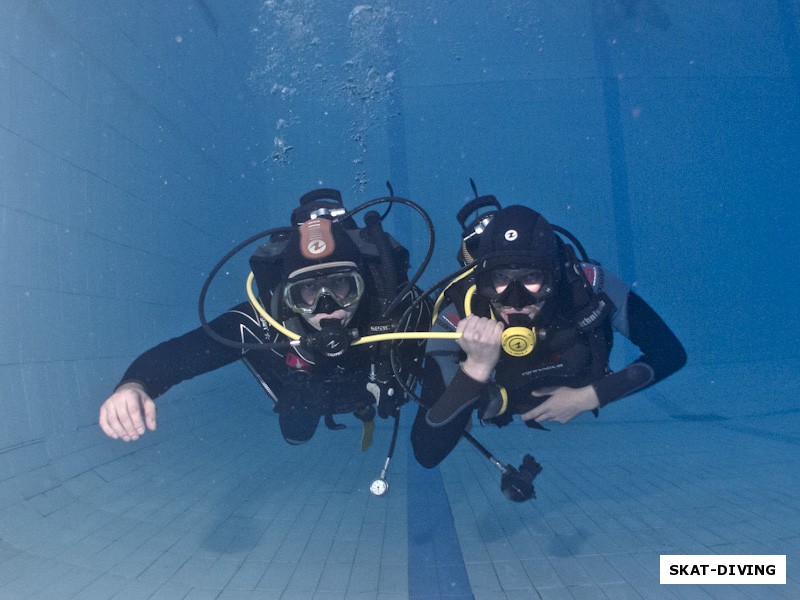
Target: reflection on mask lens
x=529, y=279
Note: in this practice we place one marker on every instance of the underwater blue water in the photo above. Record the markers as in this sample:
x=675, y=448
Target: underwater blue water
x=140, y=142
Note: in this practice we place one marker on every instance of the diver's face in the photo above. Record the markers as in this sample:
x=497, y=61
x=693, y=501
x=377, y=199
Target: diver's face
x=529, y=311
x=323, y=290
x=343, y=315
x=340, y=287
x=530, y=279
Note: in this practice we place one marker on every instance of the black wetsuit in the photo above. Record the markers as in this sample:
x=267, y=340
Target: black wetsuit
x=304, y=385
x=568, y=356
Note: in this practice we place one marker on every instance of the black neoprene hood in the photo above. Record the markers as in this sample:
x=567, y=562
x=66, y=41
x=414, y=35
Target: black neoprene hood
x=518, y=235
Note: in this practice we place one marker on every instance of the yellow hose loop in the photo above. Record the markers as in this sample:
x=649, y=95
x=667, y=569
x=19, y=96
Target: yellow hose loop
x=438, y=304
x=263, y=312
x=468, y=300
x=504, y=396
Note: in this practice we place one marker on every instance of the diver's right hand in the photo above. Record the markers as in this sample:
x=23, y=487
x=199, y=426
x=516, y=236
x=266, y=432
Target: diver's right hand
x=480, y=339
x=126, y=413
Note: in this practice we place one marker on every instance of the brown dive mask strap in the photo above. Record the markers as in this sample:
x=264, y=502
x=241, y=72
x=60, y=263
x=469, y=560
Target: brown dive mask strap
x=316, y=239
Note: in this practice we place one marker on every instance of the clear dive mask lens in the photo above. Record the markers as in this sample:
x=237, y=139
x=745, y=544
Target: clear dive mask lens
x=303, y=294
x=529, y=279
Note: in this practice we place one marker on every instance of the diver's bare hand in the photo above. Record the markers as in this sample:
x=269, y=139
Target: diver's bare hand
x=564, y=404
x=126, y=413
x=480, y=339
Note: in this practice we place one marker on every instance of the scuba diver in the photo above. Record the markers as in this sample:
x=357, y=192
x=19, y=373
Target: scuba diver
x=324, y=286
x=537, y=326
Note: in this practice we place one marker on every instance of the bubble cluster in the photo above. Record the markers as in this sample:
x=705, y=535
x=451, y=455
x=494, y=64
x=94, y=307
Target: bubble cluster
x=309, y=51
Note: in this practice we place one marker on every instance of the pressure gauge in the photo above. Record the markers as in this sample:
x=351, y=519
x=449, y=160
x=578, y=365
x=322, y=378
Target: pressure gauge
x=379, y=487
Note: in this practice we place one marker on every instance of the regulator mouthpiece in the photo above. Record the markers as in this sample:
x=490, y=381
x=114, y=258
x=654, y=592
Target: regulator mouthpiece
x=518, y=339
x=332, y=340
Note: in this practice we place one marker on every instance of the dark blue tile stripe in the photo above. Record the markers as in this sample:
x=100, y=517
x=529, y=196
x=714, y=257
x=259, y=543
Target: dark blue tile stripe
x=435, y=563
x=789, y=24
x=618, y=165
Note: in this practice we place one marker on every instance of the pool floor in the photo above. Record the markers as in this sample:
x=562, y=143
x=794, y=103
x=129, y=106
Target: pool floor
x=227, y=510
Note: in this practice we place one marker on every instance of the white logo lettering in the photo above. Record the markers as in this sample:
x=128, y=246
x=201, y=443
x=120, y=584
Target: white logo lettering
x=725, y=569
x=316, y=247
x=511, y=235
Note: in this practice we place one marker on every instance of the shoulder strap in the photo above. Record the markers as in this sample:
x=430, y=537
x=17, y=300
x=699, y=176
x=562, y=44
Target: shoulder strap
x=590, y=309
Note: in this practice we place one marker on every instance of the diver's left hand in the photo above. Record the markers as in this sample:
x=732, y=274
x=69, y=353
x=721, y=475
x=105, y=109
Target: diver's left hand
x=564, y=404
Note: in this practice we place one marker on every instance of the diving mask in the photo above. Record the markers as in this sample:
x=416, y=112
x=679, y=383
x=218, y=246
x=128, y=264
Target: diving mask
x=514, y=287
x=310, y=289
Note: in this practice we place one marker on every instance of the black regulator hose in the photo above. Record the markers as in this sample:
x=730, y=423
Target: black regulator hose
x=431, y=241
x=575, y=242
x=207, y=284
x=372, y=221
x=417, y=301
